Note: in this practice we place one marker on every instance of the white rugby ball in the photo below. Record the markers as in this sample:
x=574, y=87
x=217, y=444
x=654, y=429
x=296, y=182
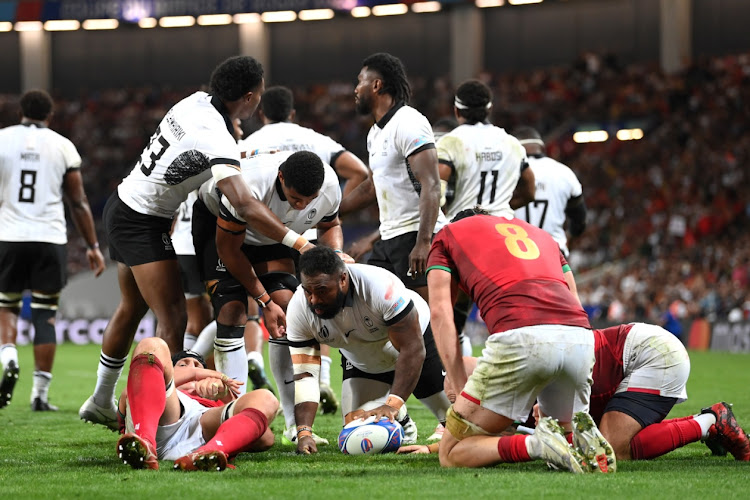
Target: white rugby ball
x=368, y=437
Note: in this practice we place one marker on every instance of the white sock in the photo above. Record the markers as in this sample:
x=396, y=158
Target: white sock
x=438, y=404
x=229, y=358
x=325, y=370
x=8, y=352
x=41, y=385
x=189, y=341
x=705, y=420
x=205, y=343
x=106, y=379
x=466, y=349
x=256, y=357
x=283, y=373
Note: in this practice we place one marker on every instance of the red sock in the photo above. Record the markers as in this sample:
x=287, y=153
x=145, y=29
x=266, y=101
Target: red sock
x=238, y=433
x=569, y=437
x=513, y=448
x=658, y=439
x=678, y=419
x=146, y=395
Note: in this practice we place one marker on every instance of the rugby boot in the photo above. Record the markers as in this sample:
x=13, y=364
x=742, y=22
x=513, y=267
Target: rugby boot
x=95, y=414
x=328, y=402
x=136, y=452
x=8, y=383
x=597, y=453
x=726, y=433
x=548, y=443
x=202, y=460
x=39, y=405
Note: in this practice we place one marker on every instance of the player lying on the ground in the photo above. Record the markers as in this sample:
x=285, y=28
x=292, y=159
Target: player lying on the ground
x=200, y=425
x=640, y=374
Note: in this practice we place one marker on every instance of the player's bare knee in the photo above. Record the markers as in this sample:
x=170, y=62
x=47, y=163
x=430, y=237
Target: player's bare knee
x=262, y=400
x=153, y=345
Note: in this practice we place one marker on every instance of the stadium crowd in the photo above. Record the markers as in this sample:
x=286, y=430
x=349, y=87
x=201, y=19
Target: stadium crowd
x=665, y=213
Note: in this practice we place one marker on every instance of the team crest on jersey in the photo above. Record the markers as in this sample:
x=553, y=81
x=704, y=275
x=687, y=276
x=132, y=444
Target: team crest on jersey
x=167, y=242
x=369, y=324
x=311, y=216
x=324, y=333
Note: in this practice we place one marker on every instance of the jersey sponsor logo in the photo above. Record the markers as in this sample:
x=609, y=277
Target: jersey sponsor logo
x=349, y=332
x=311, y=214
x=324, y=333
x=287, y=382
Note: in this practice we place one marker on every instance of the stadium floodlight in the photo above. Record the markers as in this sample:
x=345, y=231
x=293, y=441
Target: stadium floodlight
x=176, y=21
x=214, y=19
x=62, y=25
x=391, y=9
x=148, y=22
x=246, y=18
x=316, y=14
x=630, y=134
x=281, y=16
x=100, y=24
x=6, y=26
x=28, y=26
x=524, y=2
x=421, y=7
x=360, y=12
x=585, y=136
x=483, y=4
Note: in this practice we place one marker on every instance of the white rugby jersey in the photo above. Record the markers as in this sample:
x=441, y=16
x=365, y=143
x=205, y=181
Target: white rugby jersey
x=182, y=231
x=33, y=162
x=287, y=136
x=260, y=172
x=487, y=161
x=401, y=132
x=555, y=185
x=195, y=135
x=376, y=299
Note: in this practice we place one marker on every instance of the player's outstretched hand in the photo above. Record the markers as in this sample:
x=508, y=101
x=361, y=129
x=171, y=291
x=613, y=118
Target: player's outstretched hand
x=306, y=446
x=274, y=320
x=381, y=411
x=96, y=261
x=413, y=449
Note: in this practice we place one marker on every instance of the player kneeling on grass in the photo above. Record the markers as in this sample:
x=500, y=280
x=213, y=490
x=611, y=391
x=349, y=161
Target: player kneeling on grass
x=640, y=373
x=186, y=413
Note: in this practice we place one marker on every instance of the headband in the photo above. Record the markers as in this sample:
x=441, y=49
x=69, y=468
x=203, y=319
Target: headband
x=532, y=141
x=460, y=105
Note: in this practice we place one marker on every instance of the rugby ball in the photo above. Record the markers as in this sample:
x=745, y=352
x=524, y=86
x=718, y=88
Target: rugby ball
x=368, y=437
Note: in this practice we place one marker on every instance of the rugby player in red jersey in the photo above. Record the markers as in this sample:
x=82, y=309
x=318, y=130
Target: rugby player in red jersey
x=541, y=346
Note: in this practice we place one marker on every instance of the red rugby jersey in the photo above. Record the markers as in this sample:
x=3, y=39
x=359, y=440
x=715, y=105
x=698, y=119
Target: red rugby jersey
x=511, y=269
x=609, y=345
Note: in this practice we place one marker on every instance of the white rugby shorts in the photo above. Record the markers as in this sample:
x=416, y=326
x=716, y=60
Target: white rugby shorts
x=654, y=362
x=549, y=363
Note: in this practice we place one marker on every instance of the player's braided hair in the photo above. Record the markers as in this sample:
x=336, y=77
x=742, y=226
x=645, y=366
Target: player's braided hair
x=475, y=96
x=304, y=172
x=277, y=103
x=36, y=105
x=392, y=72
x=235, y=77
x=320, y=260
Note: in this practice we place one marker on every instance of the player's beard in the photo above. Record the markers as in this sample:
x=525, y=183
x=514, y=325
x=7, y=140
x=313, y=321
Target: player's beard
x=363, y=104
x=331, y=311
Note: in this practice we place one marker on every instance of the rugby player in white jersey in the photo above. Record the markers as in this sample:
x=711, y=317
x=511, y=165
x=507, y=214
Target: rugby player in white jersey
x=39, y=169
x=404, y=179
x=486, y=166
x=193, y=143
x=304, y=193
x=280, y=133
x=558, y=197
x=382, y=330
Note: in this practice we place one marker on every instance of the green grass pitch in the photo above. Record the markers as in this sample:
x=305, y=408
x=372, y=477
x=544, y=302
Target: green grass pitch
x=55, y=455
